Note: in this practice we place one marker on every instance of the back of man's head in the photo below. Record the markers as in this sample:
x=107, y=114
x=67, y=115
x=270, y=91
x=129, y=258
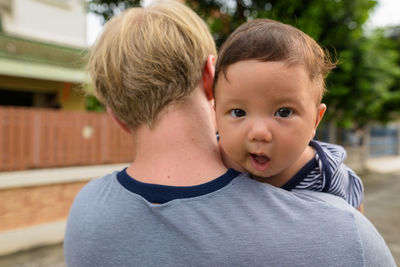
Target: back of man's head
x=148, y=58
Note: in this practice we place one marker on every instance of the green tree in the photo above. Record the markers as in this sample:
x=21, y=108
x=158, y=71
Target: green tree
x=327, y=21
x=106, y=8
x=392, y=105
x=364, y=86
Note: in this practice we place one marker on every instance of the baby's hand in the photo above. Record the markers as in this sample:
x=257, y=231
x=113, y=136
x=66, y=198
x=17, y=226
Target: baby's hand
x=229, y=163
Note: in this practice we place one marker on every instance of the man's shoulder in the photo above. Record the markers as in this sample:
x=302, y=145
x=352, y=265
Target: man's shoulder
x=97, y=184
x=95, y=205
x=372, y=244
x=92, y=195
x=303, y=214
x=324, y=199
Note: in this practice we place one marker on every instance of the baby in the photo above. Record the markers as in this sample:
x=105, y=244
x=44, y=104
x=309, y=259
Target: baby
x=268, y=86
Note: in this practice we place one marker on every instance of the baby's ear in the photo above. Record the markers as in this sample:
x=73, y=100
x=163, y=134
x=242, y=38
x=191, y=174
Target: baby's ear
x=320, y=114
x=208, y=76
x=121, y=124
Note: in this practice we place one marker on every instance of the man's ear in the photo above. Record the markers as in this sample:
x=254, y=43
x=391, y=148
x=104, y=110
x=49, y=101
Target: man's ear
x=119, y=123
x=320, y=113
x=208, y=76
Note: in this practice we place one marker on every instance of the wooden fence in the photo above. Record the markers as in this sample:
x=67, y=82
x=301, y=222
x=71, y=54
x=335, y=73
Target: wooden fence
x=43, y=138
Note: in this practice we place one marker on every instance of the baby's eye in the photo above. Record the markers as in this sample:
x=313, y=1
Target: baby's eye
x=238, y=113
x=284, y=112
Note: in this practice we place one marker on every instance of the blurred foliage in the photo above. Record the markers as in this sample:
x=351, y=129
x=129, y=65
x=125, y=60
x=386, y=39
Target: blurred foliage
x=392, y=104
x=366, y=84
x=92, y=104
x=106, y=9
x=363, y=87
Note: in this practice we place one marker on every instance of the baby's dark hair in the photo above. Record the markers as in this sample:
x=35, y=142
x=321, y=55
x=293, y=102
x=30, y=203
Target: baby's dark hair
x=268, y=40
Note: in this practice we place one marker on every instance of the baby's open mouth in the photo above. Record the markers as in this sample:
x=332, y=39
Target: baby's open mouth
x=259, y=162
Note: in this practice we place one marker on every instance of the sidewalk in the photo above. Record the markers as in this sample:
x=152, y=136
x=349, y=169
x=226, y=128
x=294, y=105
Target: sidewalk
x=388, y=164
x=39, y=177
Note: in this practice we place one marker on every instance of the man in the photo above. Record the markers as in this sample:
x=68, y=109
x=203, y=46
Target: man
x=177, y=204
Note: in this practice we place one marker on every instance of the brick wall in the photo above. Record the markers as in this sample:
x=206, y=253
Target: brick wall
x=30, y=206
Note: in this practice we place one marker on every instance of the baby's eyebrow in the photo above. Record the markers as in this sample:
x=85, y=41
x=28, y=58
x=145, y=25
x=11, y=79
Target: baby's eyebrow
x=229, y=97
x=233, y=101
x=287, y=98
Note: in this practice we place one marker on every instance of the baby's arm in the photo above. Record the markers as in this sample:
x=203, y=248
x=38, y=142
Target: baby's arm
x=361, y=208
x=356, y=188
x=337, y=178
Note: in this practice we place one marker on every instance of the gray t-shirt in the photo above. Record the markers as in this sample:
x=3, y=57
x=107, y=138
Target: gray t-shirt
x=240, y=223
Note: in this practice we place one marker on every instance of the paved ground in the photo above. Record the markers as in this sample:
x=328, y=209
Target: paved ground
x=51, y=256
x=382, y=207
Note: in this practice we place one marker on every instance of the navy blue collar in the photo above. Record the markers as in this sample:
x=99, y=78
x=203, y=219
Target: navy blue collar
x=156, y=193
x=311, y=165
x=299, y=176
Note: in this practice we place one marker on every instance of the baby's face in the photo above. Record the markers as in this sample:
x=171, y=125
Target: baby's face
x=266, y=113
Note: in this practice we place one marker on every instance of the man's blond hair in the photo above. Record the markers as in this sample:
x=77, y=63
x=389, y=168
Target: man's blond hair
x=147, y=58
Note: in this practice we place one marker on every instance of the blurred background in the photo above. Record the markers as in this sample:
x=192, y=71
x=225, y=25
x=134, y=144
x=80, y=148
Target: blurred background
x=55, y=136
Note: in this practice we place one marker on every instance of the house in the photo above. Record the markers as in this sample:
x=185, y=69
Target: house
x=46, y=136
x=42, y=48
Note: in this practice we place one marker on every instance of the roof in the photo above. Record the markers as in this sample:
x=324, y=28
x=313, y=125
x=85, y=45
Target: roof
x=33, y=51
x=34, y=59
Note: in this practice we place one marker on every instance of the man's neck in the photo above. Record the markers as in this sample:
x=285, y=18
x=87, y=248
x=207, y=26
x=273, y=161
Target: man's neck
x=180, y=150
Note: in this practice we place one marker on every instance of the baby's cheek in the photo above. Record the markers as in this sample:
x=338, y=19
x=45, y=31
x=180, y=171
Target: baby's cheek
x=231, y=158
x=228, y=161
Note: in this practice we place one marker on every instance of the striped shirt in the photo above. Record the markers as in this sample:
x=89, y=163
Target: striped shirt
x=326, y=172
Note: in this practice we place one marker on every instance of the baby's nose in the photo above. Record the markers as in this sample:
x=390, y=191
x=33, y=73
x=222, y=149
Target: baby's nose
x=260, y=131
